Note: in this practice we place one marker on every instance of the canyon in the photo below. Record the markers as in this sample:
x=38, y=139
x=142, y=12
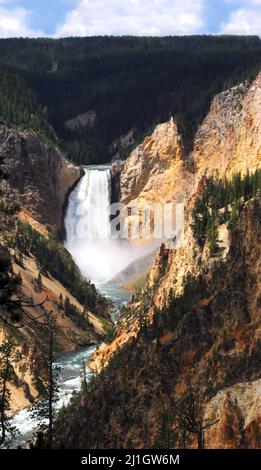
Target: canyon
x=214, y=340
x=213, y=337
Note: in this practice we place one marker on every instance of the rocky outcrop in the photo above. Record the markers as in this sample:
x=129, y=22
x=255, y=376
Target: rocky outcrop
x=38, y=180
x=135, y=272
x=38, y=174
x=237, y=410
x=82, y=121
x=156, y=171
x=229, y=140
x=157, y=168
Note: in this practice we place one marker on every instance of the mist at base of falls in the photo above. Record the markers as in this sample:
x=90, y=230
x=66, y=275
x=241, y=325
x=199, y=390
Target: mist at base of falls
x=101, y=260
x=87, y=224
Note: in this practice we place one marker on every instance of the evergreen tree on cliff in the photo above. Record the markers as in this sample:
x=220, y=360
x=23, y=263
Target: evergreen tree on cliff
x=44, y=410
x=7, y=357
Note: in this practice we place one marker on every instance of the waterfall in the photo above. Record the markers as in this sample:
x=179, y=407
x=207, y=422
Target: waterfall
x=88, y=213
x=87, y=223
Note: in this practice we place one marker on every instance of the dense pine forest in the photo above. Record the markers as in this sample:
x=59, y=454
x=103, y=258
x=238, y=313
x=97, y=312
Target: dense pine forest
x=117, y=86
x=221, y=202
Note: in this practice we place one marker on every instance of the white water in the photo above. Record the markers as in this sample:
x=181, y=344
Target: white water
x=70, y=377
x=87, y=222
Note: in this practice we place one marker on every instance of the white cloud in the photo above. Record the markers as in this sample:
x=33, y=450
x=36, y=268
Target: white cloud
x=250, y=2
x=133, y=17
x=14, y=22
x=244, y=3
x=244, y=20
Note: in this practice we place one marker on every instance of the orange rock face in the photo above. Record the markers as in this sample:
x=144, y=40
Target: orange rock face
x=39, y=176
x=229, y=140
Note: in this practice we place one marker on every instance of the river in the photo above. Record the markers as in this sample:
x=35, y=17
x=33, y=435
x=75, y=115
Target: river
x=70, y=371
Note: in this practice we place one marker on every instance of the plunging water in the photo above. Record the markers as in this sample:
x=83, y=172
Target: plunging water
x=88, y=236
x=87, y=224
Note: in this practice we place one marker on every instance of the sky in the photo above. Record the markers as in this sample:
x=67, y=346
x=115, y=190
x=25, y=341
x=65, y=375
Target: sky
x=63, y=18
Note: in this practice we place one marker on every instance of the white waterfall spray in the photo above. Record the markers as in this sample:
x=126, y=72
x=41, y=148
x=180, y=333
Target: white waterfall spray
x=89, y=207
x=87, y=223
x=88, y=236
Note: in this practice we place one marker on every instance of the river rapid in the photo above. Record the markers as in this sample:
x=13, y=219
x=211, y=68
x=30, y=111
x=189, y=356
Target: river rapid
x=71, y=371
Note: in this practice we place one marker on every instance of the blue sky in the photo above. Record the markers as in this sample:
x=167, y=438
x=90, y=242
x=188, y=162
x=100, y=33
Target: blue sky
x=56, y=18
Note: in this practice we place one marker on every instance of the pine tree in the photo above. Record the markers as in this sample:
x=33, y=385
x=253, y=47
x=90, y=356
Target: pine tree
x=190, y=416
x=156, y=329
x=44, y=410
x=143, y=323
x=212, y=237
x=7, y=431
x=39, y=281
x=84, y=380
x=226, y=214
x=234, y=216
x=200, y=218
x=67, y=306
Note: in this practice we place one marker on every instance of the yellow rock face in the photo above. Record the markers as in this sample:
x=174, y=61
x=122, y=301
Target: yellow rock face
x=150, y=173
x=239, y=404
x=229, y=140
x=156, y=172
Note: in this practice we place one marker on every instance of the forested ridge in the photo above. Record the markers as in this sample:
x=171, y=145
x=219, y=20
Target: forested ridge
x=127, y=83
x=19, y=107
x=221, y=202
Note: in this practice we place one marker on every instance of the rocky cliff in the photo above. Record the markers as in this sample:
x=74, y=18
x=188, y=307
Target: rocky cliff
x=229, y=139
x=39, y=176
x=25, y=323
x=156, y=171
x=227, y=142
